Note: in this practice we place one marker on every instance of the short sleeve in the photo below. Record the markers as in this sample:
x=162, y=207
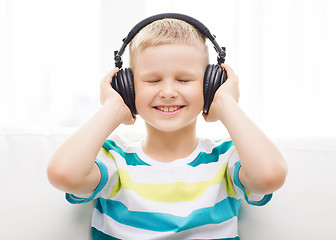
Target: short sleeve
x=109, y=177
x=251, y=198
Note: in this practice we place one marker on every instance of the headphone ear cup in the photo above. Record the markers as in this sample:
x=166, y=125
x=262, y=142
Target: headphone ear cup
x=130, y=90
x=114, y=83
x=207, y=87
x=123, y=83
x=214, y=77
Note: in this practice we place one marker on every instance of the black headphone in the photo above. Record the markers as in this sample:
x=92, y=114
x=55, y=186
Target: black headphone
x=214, y=76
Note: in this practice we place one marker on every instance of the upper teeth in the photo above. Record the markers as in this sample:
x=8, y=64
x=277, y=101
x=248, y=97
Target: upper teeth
x=167, y=109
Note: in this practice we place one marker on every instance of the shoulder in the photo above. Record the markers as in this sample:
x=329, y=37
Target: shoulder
x=213, y=152
x=216, y=146
x=123, y=150
x=121, y=144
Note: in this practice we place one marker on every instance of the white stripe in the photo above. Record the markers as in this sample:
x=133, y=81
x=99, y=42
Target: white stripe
x=112, y=175
x=109, y=163
x=134, y=202
x=255, y=197
x=110, y=227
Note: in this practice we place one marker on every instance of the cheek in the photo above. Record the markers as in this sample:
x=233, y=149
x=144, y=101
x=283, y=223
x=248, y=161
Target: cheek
x=138, y=96
x=195, y=96
x=139, y=99
x=199, y=100
x=142, y=96
x=198, y=94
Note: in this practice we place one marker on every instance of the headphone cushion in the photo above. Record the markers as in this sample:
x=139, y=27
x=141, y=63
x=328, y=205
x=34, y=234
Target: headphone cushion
x=206, y=84
x=214, y=77
x=123, y=83
x=130, y=90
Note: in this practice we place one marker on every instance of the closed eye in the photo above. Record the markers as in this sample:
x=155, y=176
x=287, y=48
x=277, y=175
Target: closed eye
x=152, y=81
x=183, y=80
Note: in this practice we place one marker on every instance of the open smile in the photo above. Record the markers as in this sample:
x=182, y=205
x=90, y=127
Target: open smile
x=169, y=109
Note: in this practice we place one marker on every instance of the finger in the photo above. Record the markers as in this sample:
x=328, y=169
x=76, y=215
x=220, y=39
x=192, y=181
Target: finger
x=230, y=73
x=113, y=72
x=228, y=69
x=110, y=75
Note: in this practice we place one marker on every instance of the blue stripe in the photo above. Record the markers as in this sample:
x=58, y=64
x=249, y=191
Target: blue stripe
x=98, y=235
x=235, y=238
x=131, y=159
x=236, y=180
x=205, y=158
x=164, y=222
x=103, y=180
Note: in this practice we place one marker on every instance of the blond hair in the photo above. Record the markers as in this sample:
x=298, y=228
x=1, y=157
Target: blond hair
x=166, y=31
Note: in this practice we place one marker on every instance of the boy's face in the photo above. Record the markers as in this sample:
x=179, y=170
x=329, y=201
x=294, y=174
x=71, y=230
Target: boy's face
x=168, y=81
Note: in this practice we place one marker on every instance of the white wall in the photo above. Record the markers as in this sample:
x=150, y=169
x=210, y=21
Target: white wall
x=54, y=55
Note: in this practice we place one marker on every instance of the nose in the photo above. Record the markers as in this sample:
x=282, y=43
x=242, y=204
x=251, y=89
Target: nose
x=168, y=90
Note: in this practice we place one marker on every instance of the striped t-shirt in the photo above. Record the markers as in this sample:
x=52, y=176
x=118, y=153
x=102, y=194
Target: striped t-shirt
x=197, y=197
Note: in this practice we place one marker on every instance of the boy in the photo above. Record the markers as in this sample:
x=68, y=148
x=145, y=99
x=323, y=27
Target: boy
x=171, y=185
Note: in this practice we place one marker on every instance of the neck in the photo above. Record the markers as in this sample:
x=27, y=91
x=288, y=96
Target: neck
x=169, y=146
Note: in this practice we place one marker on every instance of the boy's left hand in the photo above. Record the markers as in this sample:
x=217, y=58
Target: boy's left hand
x=226, y=93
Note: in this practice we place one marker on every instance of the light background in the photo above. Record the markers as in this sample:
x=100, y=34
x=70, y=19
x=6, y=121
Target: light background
x=54, y=54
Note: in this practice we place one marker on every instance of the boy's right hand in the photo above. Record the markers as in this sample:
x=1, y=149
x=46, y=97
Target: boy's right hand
x=109, y=96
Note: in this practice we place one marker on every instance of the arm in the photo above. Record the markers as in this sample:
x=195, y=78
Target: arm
x=263, y=169
x=72, y=168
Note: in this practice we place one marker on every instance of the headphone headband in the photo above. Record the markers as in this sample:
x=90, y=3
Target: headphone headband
x=197, y=24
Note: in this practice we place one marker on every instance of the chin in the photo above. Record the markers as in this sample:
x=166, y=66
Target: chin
x=172, y=126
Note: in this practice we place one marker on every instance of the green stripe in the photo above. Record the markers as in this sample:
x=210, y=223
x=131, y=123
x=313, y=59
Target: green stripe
x=205, y=158
x=98, y=235
x=202, y=158
x=164, y=222
x=235, y=238
x=131, y=159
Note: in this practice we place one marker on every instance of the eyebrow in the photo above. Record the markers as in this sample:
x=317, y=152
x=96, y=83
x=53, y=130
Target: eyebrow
x=178, y=73
x=149, y=74
x=187, y=73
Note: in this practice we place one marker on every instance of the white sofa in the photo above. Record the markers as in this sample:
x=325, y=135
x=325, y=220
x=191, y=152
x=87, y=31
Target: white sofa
x=31, y=208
